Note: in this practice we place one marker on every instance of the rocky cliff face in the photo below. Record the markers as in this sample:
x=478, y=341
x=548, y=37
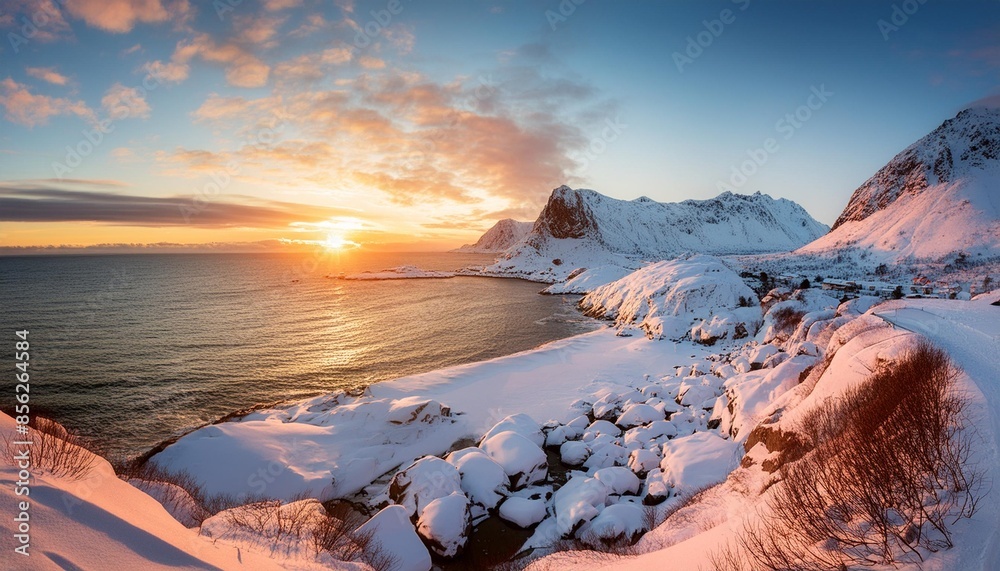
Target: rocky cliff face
x=939, y=196
x=501, y=236
x=583, y=228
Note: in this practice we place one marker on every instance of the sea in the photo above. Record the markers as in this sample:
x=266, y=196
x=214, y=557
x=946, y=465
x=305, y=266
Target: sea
x=129, y=350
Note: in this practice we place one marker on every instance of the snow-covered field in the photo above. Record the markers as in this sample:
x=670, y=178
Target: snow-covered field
x=593, y=440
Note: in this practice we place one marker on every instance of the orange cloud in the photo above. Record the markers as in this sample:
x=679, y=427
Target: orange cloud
x=243, y=69
x=503, y=142
x=29, y=109
x=48, y=74
x=125, y=102
x=118, y=16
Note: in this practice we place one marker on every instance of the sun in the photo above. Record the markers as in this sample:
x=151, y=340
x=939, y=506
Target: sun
x=335, y=242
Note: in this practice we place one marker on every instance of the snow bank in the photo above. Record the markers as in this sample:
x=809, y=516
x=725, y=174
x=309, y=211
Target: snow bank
x=101, y=522
x=391, y=529
x=666, y=298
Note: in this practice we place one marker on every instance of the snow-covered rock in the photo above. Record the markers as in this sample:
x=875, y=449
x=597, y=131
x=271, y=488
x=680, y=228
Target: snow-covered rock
x=445, y=524
x=423, y=482
x=519, y=423
x=664, y=298
x=698, y=460
x=523, y=460
x=619, y=521
x=643, y=460
x=619, y=480
x=392, y=531
x=483, y=480
x=638, y=414
x=577, y=502
x=523, y=512
x=574, y=452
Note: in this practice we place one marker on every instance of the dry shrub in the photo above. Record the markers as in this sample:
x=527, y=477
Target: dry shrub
x=886, y=475
x=53, y=449
x=298, y=520
x=787, y=318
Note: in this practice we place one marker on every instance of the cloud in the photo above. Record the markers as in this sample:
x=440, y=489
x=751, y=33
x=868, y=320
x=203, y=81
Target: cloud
x=313, y=66
x=502, y=138
x=369, y=62
x=32, y=203
x=258, y=31
x=990, y=102
x=48, y=74
x=119, y=16
x=275, y=5
x=243, y=69
x=167, y=72
x=314, y=23
x=46, y=16
x=29, y=109
x=125, y=102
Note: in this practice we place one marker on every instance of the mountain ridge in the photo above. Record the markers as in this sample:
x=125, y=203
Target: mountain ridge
x=583, y=228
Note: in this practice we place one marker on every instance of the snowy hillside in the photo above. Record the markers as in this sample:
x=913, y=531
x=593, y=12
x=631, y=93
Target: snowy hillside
x=584, y=229
x=693, y=295
x=501, y=236
x=938, y=197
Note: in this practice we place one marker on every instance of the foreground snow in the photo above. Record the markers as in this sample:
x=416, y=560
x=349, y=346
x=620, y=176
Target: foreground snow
x=592, y=439
x=101, y=522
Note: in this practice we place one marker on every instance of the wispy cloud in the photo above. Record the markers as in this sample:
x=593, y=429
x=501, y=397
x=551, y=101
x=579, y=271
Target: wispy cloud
x=23, y=107
x=48, y=74
x=38, y=203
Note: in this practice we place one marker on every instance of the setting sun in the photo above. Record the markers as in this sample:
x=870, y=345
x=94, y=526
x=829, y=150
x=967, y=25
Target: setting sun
x=337, y=242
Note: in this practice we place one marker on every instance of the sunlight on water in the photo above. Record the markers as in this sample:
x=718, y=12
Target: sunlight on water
x=132, y=349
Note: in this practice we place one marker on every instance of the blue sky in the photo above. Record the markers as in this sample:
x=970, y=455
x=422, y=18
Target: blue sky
x=316, y=122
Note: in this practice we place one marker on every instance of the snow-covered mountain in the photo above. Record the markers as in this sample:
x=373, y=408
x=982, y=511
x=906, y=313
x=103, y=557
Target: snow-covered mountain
x=941, y=195
x=582, y=228
x=501, y=236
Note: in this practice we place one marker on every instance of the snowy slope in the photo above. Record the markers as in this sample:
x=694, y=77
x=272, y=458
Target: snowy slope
x=501, y=236
x=666, y=298
x=101, y=522
x=939, y=196
x=856, y=345
x=582, y=228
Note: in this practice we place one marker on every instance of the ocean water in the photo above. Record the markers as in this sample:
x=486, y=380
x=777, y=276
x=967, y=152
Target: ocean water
x=129, y=350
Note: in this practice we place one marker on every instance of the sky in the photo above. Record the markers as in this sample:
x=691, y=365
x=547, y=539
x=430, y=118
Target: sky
x=416, y=124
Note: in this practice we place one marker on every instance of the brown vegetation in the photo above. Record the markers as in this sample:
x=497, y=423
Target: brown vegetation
x=53, y=449
x=886, y=475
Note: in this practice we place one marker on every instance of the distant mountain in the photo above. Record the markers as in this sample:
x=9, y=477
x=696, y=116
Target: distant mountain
x=582, y=228
x=501, y=236
x=938, y=197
